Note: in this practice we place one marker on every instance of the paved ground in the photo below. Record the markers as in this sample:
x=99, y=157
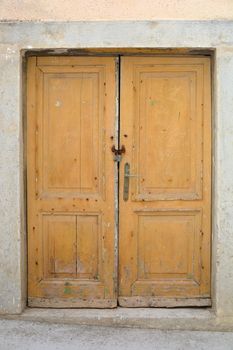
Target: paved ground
x=27, y=335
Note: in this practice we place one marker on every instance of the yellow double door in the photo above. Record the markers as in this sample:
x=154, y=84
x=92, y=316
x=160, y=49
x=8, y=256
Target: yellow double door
x=118, y=218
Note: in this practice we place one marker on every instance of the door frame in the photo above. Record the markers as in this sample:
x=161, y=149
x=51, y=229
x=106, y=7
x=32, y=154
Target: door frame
x=118, y=52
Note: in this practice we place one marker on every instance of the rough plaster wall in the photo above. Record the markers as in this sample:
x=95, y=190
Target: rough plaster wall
x=115, y=9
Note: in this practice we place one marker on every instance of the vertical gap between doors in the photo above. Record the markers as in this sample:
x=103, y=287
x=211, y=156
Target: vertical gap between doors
x=116, y=180
x=118, y=167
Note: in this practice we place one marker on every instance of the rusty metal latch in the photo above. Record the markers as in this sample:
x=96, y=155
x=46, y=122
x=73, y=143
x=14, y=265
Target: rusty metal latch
x=118, y=153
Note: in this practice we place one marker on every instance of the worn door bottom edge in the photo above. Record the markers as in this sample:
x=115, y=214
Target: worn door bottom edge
x=61, y=303
x=127, y=302
x=163, y=302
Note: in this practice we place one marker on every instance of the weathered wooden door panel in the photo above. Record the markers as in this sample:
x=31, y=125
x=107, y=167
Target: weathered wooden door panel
x=164, y=230
x=71, y=113
x=165, y=223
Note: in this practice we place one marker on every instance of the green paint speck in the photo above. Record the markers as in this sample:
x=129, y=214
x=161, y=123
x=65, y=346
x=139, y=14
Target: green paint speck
x=67, y=289
x=152, y=102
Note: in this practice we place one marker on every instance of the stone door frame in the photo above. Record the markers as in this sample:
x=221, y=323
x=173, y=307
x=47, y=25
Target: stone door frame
x=17, y=38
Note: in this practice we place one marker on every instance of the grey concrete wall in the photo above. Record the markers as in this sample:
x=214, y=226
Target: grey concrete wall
x=15, y=37
x=12, y=251
x=223, y=213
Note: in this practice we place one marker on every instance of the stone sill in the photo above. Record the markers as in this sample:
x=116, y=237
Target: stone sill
x=167, y=319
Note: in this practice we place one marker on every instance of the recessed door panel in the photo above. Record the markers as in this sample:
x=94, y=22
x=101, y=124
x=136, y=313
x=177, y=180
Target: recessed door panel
x=165, y=219
x=59, y=245
x=71, y=115
x=72, y=105
x=173, y=97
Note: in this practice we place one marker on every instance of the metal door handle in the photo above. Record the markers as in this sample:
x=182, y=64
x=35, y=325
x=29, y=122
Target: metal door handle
x=127, y=176
x=132, y=175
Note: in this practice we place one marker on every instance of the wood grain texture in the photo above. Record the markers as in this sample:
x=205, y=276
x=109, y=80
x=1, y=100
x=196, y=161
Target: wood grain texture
x=72, y=303
x=163, y=302
x=166, y=222
x=70, y=123
x=165, y=225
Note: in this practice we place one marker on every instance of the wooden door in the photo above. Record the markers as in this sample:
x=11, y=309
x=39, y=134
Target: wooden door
x=70, y=124
x=165, y=221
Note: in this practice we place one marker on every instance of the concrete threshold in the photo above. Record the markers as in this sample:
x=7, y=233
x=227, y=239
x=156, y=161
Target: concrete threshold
x=164, y=319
